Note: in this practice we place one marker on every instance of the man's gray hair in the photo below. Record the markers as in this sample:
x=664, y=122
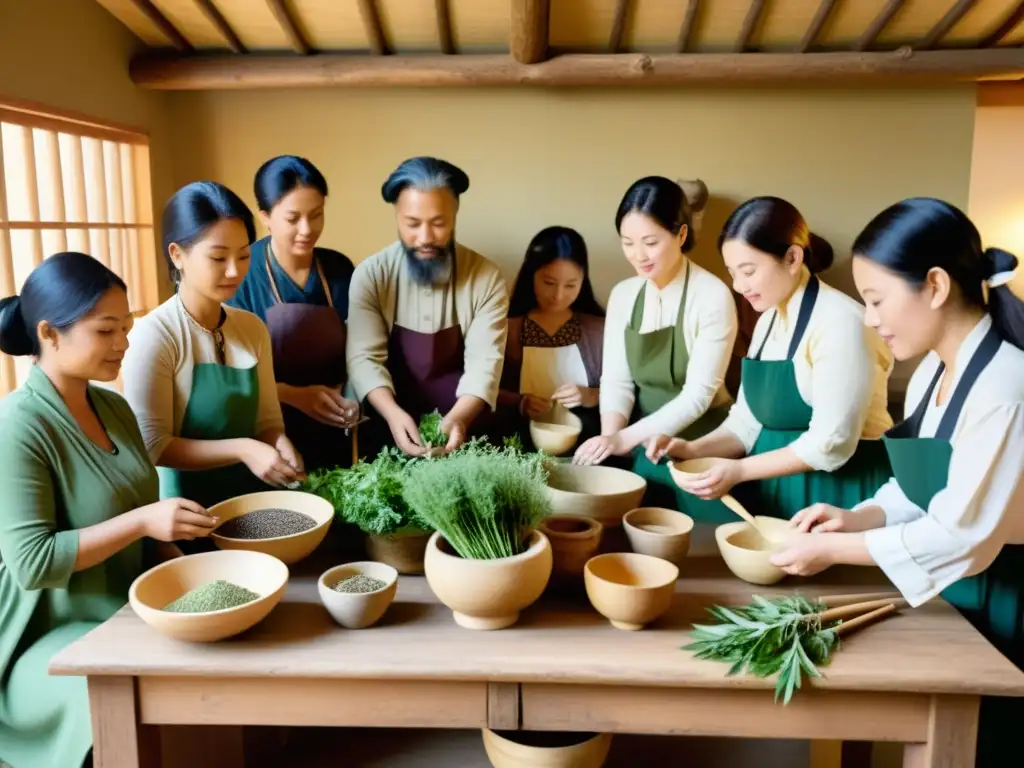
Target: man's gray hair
x=424, y=174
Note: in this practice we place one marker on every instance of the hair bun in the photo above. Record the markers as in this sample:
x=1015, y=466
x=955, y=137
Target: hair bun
x=696, y=193
x=821, y=254
x=14, y=338
x=998, y=261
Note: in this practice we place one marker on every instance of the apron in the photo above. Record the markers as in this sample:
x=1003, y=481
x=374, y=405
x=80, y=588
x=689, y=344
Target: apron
x=308, y=342
x=771, y=391
x=993, y=600
x=657, y=362
x=222, y=405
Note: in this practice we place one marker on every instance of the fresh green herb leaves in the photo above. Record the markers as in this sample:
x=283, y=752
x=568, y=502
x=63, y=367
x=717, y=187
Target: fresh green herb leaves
x=430, y=430
x=780, y=636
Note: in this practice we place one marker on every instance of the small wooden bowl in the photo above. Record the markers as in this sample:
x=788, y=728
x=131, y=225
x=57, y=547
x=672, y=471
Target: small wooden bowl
x=659, y=532
x=287, y=549
x=151, y=592
x=746, y=553
x=554, y=439
x=541, y=749
x=687, y=471
x=602, y=493
x=629, y=589
x=358, y=610
x=574, y=540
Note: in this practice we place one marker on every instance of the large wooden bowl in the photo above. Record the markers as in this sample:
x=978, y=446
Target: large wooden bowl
x=747, y=554
x=687, y=471
x=288, y=549
x=602, y=493
x=151, y=592
x=556, y=433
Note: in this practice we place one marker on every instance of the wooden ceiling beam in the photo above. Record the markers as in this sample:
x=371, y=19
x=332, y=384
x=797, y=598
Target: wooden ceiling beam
x=161, y=22
x=528, y=36
x=878, y=25
x=631, y=69
x=1010, y=23
x=749, y=25
x=287, y=24
x=444, y=26
x=374, y=27
x=817, y=24
x=945, y=24
x=217, y=20
x=619, y=21
x=689, y=27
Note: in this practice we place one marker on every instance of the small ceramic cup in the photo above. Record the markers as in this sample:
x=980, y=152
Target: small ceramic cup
x=659, y=532
x=358, y=610
x=574, y=540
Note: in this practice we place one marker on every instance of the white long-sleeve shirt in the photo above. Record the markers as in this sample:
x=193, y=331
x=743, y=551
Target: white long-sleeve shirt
x=842, y=372
x=982, y=506
x=709, y=331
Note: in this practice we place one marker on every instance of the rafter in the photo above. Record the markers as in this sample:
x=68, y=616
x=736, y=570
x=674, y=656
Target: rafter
x=817, y=24
x=528, y=36
x=749, y=25
x=878, y=25
x=214, y=16
x=374, y=28
x=1015, y=17
x=689, y=27
x=284, y=20
x=158, y=20
x=622, y=9
x=945, y=24
x=444, y=26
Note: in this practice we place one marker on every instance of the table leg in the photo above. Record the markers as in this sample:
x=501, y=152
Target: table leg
x=952, y=735
x=119, y=741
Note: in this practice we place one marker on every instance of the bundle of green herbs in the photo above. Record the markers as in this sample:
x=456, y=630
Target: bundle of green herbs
x=369, y=495
x=430, y=430
x=484, y=500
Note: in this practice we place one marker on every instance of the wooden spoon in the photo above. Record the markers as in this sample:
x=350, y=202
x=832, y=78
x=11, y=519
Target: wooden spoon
x=740, y=510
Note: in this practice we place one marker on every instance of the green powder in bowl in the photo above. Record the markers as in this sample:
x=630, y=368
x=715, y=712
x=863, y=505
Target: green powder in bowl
x=359, y=583
x=213, y=596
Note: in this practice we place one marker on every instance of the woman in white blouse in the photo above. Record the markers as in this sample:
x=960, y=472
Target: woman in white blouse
x=669, y=334
x=807, y=423
x=951, y=520
x=198, y=373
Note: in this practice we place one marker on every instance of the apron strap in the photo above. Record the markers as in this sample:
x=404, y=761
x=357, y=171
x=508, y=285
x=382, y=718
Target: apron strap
x=913, y=424
x=803, y=319
x=316, y=266
x=451, y=282
x=979, y=360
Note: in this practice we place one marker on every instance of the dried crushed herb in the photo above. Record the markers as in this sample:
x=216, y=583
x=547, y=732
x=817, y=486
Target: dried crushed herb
x=266, y=524
x=359, y=583
x=212, y=596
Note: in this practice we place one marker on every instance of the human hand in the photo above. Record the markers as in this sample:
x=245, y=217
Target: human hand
x=326, y=405
x=715, y=482
x=597, y=449
x=661, y=446
x=286, y=448
x=174, y=520
x=573, y=396
x=267, y=463
x=533, y=407
x=406, y=433
x=456, y=432
x=804, y=554
x=824, y=518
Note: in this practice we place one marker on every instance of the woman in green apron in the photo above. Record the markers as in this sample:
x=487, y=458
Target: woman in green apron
x=78, y=498
x=951, y=520
x=301, y=293
x=812, y=406
x=555, y=336
x=200, y=375
x=669, y=334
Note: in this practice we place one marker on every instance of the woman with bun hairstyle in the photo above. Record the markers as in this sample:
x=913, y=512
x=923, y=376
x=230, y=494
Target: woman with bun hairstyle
x=301, y=292
x=199, y=374
x=669, y=335
x=812, y=406
x=78, y=498
x=555, y=332
x=950, y=522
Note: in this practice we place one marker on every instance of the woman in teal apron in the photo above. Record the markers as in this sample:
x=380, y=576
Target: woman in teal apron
x=78, y=500
x=555, y=336
x=198, y=374
x=301, y=293
x=669, y=335
x=812, y=406
x=951, y=520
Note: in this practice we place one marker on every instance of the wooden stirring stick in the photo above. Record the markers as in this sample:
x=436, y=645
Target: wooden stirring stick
x=857, y=609
x=834, y=601
x=730, y=501
x=849, y=626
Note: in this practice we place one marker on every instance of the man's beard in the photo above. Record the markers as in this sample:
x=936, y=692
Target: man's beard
x=433, y=270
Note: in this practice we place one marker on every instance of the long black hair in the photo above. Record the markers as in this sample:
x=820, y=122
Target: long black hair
x=773, y=225
x=195, y=208
x=281, y=175
x=664, y=201
x=919, y=234
x=548, y=245
x=62, y=290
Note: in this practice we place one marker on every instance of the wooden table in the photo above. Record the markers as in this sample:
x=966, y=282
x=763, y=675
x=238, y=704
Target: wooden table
x=914, y=678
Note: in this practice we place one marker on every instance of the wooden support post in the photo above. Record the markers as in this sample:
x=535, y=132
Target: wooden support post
x=284, y=20
x=689, y=26
x=529, y=31
x=622, y=9
x=504, y=706
x=945, y=24
x=817, y=24
x=119, y=740
x=749, y=25
x=374, y=28
x=444, y=26
x=216, y=18
x=158, y=20
x=952, y=735
x=878, y=25
x=1010, y=23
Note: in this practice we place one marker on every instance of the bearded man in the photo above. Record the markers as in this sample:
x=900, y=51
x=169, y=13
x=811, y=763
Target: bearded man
x=427, y=317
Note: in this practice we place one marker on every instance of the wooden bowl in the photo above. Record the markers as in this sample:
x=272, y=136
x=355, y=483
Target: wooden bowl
x=603, y=493
x=629, y=589
x=745, y=551
x=151, y=592
x=659, y=532
x=574, y=540
x=541, y=749
x=358, y=610
x=287, y=549
x=687, y=471
x=403, y=550
x=554, y=439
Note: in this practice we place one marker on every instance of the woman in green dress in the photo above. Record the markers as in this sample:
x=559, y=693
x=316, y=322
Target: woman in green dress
x=78, y=496
x=812, y=407
x=199, y=374
x=669, y=334
x=951, y=520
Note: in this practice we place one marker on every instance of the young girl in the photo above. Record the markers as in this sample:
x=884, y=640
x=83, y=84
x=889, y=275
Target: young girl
x=555, y=330
x=951, y=520
x=78, y=497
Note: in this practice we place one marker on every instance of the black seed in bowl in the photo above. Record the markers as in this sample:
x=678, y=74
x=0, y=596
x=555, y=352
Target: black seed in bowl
x=266, y=524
